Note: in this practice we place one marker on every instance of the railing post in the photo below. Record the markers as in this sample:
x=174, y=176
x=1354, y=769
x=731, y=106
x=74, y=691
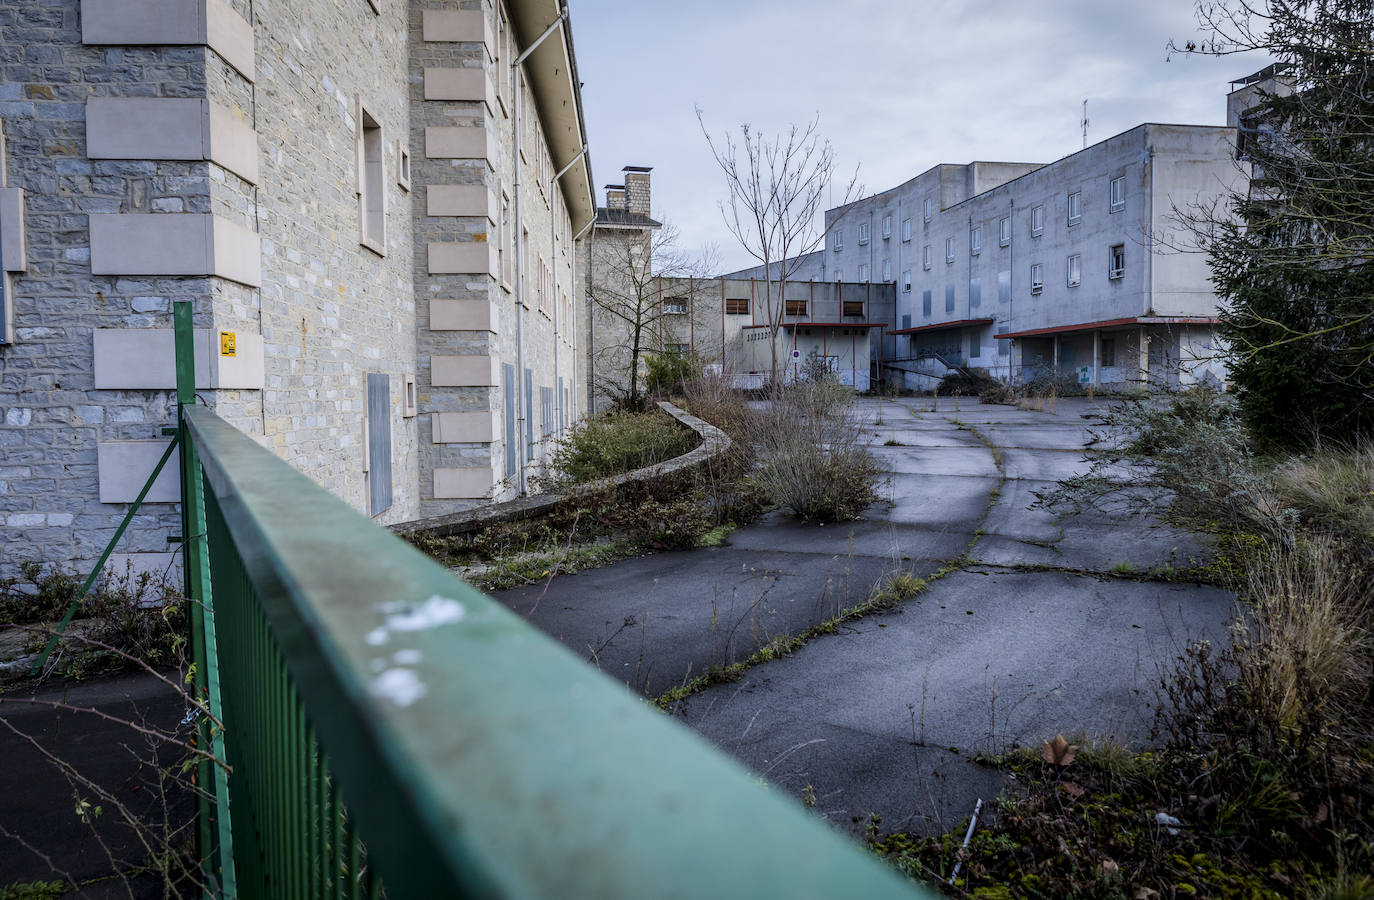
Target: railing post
x=215, y=848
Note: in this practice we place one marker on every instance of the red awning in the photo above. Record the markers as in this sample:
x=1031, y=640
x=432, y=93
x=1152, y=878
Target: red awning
x=824, y=325
x=1112, y=323
x=938, y=326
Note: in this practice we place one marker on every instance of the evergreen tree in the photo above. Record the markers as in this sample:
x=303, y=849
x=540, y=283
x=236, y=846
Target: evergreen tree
x=1294, y=262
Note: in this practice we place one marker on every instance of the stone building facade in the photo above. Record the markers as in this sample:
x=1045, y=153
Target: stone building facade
x=332, y=184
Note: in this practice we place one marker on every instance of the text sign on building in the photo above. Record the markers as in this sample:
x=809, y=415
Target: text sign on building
x=227, y=343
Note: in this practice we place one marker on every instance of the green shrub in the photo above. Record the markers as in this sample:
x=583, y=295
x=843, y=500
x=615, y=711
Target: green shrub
x=668, y=372
x=620, y=442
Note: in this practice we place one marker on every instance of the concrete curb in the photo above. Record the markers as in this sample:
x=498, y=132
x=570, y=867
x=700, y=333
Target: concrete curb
x=714, y=442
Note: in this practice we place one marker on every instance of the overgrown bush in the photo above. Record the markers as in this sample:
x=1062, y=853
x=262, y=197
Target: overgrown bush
x=965, y=383
x=668, y=371
x=619, y=442
x=809, y=455
x=135, y=614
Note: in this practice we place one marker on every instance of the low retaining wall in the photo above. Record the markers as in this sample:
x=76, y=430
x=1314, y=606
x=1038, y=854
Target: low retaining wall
x=713, y=443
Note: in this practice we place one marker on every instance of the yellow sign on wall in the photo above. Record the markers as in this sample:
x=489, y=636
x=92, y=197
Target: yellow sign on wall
x=227, y=343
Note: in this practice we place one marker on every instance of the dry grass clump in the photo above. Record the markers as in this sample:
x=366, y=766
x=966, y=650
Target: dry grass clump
x=1332, y=491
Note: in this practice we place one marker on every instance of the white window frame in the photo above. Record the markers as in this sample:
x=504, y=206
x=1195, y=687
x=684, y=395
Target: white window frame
x=1004, y=231
x=906, y=229
x=863, y=233
x=1116, y=254
x=403, y=165
x=1037, y=220
x=949, y=250
x=839, y=240
x=926, y=211
x=1116, y=199
x=975, y=240
x=1073, y=270
x=1074, y=207
x=371, y=181
x=906, y=281
x=1037, y=278
x=887, y=270
x=887, y=227
x=863, y=271
x=925, y=257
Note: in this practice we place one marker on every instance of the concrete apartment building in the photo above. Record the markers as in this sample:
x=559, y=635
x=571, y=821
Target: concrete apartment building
x=1074, y=266
x=382, y=294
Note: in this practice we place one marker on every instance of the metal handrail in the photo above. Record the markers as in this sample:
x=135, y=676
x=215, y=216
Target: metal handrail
x=474, y=755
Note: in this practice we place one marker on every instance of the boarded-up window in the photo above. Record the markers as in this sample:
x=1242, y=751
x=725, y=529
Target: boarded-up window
x=795, y=308
x=949, y=298
x=737, y=306
x=379, y=442
x=545, y=411
x=529, y=414
x=563, y=402
x=853, y=307
x=508, y=382
x=925, y=304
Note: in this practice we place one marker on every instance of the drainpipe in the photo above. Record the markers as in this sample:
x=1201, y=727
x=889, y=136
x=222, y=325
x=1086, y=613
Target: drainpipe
x=553, y=242
x=586, y=228
x=522, y=425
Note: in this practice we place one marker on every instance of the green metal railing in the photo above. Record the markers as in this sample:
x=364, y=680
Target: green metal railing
x=387, y=724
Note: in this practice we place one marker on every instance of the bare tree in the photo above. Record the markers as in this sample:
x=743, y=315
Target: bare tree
x=642, y=290
x=778, y=196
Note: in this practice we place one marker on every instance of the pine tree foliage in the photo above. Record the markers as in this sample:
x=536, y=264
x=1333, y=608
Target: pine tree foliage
x=1295, y=262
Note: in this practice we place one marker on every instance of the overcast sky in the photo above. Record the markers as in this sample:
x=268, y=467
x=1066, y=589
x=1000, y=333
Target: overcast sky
x=899, y=85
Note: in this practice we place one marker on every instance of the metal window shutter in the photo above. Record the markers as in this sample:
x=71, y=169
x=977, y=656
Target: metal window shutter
x=529, y=414
x=562, y=403
x=508, y=380
x=379, y=442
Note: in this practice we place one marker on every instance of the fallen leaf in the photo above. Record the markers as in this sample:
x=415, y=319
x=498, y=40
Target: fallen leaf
x=1059, y=752
x=1145, y=893
x=1109, y=867
x=1072, y=789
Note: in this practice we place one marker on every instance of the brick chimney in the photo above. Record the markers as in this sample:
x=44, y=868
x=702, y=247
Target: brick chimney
x=637, y=189
x=615, y=196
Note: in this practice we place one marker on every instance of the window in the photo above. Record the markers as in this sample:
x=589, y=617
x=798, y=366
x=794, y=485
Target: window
x=795, y=308
x=863, y=272
x=1037, y=221
x=906, y=229
x=853, y=308
x=1116, y=261
x=887, y=270
x=371, y=192
x=679, y=349
x=675, y=307
x=925, y=208
x=1075, y=207
x=504, y=254
x=503, y=53
x=925, y=304
x=1107, y=355
x=737, y=306
x=975, y=240
x=1118, y=194
x=1037, y=278
x=906, y=281
x=925, y=257
x=887, y=227
x=403, y=165
x=839, y=274
x=1075, y=270
x=839, y=240
x=545, y=411
x=1004, y=231
x=949, y=250
x=949, y=298
x=409, y=405
x=863, y=234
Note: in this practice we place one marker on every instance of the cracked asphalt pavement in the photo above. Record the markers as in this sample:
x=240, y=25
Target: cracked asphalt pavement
x=1034, y=634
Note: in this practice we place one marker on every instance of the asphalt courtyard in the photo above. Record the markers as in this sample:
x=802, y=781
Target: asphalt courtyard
x=1042, y=625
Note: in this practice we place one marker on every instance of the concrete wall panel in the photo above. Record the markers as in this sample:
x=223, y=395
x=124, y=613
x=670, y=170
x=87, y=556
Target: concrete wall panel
x=464, y=371
x=125, y=466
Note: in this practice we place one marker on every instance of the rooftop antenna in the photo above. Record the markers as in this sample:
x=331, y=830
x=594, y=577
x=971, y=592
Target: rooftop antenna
x=1085, y=124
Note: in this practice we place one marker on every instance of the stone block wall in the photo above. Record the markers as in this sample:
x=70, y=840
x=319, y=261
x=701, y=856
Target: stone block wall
x=52, y=416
